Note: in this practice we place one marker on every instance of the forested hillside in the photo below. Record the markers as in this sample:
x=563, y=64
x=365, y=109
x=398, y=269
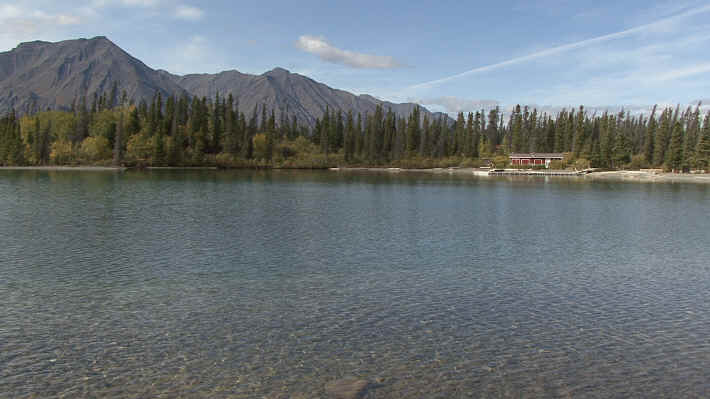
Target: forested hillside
x=179, y=131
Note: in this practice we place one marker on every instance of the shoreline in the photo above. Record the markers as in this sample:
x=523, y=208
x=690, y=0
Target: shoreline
x=620, y=175
x=648, y=177
x=68, y=168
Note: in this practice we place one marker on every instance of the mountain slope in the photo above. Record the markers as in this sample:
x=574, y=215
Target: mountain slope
x=40, y=75
x=283, y=91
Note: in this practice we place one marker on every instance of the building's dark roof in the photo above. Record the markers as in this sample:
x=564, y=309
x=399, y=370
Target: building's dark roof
x=537, y=155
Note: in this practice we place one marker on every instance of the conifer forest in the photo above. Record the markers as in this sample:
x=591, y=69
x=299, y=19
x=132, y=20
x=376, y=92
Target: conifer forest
x=182, y=131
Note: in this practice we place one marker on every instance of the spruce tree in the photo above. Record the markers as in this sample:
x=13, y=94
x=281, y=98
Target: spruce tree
x=413, y=133
x=17, y=150
x=45, y=144
x=468, y=139
x=476, y=137
x=579, y=133
x=231, y=139
x=649, y=141
x=118, y=141
x=493, y=130
x=560, y=124
x=158, y=149
x=425, y=140
x=175, y=155
x=359, y=142
x=217, y=125
x=459, y=132
x=517, y=130
x=690, y=141
x=702, y=151
x=324, y=130
x=339, y=131
x=349, y=141
x=660, y=143
x=674, y=159
x=622, y=150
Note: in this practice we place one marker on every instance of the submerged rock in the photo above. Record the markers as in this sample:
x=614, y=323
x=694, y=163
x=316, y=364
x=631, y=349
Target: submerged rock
x=346, y=388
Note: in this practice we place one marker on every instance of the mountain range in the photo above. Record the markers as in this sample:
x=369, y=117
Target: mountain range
x=39, y=75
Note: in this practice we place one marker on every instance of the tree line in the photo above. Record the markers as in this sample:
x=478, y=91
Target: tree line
x=183, y=131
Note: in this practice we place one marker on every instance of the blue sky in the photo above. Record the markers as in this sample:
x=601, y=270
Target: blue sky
x=448, y=55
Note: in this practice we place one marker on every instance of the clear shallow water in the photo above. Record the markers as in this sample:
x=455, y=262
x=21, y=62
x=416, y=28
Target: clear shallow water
x=270, y=284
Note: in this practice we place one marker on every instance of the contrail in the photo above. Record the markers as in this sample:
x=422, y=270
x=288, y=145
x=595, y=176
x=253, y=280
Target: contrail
x=566, y=47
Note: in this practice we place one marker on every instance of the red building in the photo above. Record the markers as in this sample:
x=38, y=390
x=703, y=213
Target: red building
x=535, y=159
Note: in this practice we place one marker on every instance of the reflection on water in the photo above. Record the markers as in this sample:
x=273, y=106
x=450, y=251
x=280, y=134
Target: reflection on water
x=270, y=284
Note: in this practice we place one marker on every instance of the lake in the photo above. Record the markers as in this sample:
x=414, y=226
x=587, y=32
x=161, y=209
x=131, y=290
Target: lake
x=244, y=284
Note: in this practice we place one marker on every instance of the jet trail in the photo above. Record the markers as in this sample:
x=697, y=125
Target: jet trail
x=566, y=47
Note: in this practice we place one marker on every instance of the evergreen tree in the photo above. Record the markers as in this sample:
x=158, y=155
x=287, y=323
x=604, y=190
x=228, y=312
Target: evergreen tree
x=517, y=130
x=622, y=150
x=217, y=116
x=413, y=131
x=175, y=151
x=649, y=141
x=493, y=130
x=159, y=154
x=270, y=135
x=560, y=124
x=231, y=139
x=579, y=133
x=359, y=139
x=674, y=160
x=702, y=151
x=349, y=144
x=45, y=144
x=339, y=132
x=118, y=142
x=324, y=130
x=425, y=140
x=476, y=137
x=661, y=140
x=459, y=132
x=690, y=141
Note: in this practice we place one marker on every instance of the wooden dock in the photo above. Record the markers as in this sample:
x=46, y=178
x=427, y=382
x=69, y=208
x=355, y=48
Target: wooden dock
x=528, y=172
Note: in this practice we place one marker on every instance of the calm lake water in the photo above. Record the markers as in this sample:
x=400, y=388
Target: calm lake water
x=214, y=284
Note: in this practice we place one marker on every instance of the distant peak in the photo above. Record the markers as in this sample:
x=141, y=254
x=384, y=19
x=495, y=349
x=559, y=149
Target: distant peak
x=33, y=43
x=277, y=71
x=37, y=43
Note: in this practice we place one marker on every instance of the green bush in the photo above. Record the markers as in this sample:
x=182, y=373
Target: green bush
x=95, y=149
x=638, y=162
x=62, y=152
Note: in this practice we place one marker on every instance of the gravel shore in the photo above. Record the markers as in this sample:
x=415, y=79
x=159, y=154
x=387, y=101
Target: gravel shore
x=65, y=168
x=627, y=176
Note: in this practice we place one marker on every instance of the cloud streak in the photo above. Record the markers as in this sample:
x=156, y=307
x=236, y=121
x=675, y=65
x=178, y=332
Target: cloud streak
x=329, y=53
x=660, y=24
x=683, y=72
x=454, y=105
x=189, y=13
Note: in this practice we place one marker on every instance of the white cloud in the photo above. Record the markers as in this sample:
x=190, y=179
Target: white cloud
x=454, y=105
x=195, y=55
x=127, y=3
x=189, y=13
x=327, y=52
x=19, y=23
x=684, y=72
x=141, y=3
x=8, y=11
x=10, y=14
